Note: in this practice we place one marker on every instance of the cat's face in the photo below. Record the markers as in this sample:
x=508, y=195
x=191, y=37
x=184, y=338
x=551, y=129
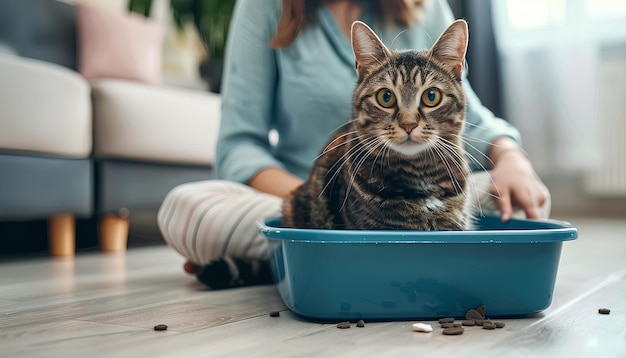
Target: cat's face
x=409, y=102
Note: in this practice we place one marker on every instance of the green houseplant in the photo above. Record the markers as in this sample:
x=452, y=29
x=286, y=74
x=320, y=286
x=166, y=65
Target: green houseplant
x=211, y=19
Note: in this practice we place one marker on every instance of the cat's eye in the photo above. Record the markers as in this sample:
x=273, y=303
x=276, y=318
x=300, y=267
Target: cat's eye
x=431, y=97
x=386, y=98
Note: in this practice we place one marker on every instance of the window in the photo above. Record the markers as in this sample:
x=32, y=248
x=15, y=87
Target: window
x=535, y=14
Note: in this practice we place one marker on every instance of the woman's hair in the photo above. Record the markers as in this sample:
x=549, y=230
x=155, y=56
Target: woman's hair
x=298, y=13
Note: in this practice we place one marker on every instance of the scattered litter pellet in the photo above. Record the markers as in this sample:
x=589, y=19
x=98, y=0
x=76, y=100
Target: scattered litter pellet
x=473, y=314
x=274, y=314
x=160, y=327
x=453, y=331
x=343, y=325
x=422, y=327
x=360, y=323
x=474, y=317
x=604, y=311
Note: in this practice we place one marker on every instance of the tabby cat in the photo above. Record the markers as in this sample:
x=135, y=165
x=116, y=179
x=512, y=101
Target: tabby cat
x=399, y=162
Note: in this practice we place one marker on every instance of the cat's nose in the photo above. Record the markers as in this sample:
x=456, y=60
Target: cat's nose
x=408, y=127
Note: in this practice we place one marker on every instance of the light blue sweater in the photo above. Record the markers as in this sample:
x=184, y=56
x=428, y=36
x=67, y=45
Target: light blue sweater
x=304, y=91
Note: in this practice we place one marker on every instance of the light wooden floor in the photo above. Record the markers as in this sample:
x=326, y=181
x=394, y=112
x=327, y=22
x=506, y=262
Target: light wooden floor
x=99, y=305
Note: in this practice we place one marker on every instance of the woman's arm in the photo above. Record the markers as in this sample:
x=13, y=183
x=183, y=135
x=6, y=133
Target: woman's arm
x=248, y=92
x=275, y=181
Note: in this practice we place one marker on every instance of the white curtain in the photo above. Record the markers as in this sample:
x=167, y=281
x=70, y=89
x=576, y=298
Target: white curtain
x=550, y=52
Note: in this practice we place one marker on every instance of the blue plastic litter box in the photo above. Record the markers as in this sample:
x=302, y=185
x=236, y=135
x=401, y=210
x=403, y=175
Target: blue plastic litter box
x=396, y=275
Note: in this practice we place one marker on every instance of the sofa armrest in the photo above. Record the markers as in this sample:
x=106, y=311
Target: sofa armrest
x=44, y=108
x=154, y=123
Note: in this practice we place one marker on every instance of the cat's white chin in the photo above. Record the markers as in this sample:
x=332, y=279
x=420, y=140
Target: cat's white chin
x=409, y=148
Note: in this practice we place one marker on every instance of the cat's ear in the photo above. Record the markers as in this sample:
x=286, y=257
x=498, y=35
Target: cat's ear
x=368, y=49
x=450, y=47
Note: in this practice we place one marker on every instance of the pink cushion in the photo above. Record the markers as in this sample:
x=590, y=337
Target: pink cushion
x=115, y=44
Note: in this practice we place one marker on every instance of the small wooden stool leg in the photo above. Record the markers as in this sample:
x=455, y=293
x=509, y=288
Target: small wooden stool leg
x=113, y=233
x=62, y=235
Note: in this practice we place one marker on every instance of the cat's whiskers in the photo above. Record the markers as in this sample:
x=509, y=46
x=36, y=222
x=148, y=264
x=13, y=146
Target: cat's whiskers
x=443, y=154
x=474, y=185
x=477, y=126
x=443, y=151
x=495, y=195
x=457, y=187
x=464, y=140
x=453, y=150
x=345, y=124
x=473, y=203
x=379, y=154
x=341, y=161
x=330, y=148
x=337, y=167
x=457, y=152
x=387, y=149
x=364, y=152
x=467, y=138
x=350, y=152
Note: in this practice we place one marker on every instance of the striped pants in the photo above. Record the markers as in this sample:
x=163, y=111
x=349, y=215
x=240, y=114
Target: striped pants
x=206, y=220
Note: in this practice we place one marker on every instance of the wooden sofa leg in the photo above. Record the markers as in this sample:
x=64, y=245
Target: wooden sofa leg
x=113, y=233
x=62, y=235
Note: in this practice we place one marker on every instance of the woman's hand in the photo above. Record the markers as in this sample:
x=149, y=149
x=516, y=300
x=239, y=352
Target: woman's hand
x=515, y=182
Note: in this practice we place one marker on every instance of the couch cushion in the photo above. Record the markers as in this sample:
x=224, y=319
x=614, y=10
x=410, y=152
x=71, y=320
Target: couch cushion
x=40, y=29
x=152, y=123
x=117, y=44
x=44, y=108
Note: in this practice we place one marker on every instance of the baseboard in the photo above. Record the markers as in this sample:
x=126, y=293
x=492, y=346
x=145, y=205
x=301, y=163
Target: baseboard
x=569, y=199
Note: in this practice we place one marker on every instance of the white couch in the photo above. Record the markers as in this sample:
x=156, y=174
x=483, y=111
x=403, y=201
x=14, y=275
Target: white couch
x=72, y=148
